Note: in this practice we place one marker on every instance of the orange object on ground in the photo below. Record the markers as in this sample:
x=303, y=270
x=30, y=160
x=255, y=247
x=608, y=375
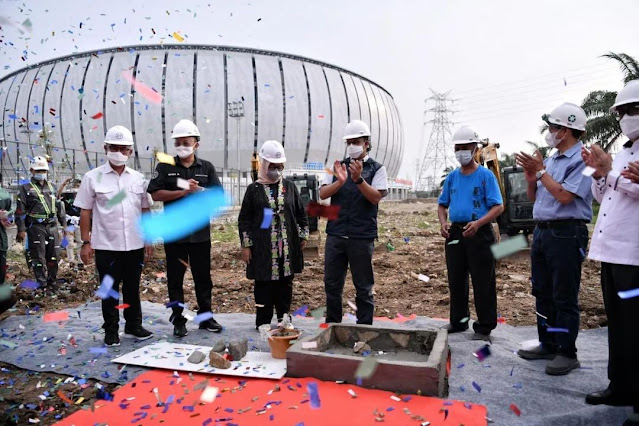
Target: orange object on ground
x=248, y=402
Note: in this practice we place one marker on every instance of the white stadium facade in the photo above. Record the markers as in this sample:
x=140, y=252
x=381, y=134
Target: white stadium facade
x=301, y=102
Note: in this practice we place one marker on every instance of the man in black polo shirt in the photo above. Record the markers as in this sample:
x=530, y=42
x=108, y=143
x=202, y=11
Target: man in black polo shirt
x=170, y=183
x=357, y=186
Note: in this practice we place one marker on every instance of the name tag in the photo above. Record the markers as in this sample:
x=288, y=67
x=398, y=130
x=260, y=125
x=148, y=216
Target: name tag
x=196, y=175
x=172, y=174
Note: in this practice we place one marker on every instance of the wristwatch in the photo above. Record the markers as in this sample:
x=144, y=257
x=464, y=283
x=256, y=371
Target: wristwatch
x=540, y=173
x=359, y=181
x=84, y=243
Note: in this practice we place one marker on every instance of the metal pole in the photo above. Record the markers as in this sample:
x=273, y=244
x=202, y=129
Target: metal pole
x=239, y=189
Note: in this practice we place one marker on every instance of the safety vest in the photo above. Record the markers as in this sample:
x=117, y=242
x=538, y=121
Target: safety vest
x=49, y=211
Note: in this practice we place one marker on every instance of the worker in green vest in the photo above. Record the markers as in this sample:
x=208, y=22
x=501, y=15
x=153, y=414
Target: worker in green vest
x=38, y=213
x=7, y=300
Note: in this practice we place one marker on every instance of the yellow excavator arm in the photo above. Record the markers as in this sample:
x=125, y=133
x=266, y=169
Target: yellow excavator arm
x=488, y=157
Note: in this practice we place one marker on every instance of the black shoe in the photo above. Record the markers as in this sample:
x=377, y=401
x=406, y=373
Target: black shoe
x=210, y=325
x=139, y=332
x=455, y=329
x=538, y=352
x=561, y=365
x=607, y=397
x=482, y=336
x=111, y=338
x=180, y=330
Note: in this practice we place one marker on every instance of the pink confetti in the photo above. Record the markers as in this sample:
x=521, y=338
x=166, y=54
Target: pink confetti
x=145, y=91
x=56, y=316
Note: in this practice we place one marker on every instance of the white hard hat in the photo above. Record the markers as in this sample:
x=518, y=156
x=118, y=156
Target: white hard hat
x=356, y=129
x=185, y=128
x=628, y=95
x=464, y=135
x=39, y=163
x=119, y=135
x=567, y=115
x=273, y=152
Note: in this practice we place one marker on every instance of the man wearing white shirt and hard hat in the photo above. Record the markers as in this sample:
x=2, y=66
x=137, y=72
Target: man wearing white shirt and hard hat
x=615, y=243
x=109, y=228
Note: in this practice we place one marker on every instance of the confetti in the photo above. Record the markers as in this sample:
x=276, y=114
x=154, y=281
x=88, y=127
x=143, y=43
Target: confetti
x=145, y=91
x=301, y=311
x=515, y=409
x=98, y=350
x=330, y=172
x=557, y=330
x=313, y=395
x=477, y=387
x=106, y=289
x=122, y=306
x=628, y=294
x=453, y=242
x=178, y=37
x=98, y=115
x=267, y=218
x=165, y=158
x=209, y=394
x=352, y=393
x=588, y=171
x=30, y=284
x=56, y=316
x=183, y=183
x=509, y=247
x=309, y=345
x=366, y=368
x=170, y=225
x=203, y=317
x=117, y=199
x=482, y=353
x=423, y=277
x=318, y=210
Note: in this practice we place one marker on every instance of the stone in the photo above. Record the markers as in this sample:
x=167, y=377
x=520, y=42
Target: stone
x=219, y=346
x=218, y=361
x=238, y=348
x=361, y=347
x=367, y=336
x=400, y=338
x=342, y=335
x=196, y=357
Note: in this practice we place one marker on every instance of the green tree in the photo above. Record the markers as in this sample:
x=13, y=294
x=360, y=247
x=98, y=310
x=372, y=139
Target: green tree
x=507, y=160
x=445, y=174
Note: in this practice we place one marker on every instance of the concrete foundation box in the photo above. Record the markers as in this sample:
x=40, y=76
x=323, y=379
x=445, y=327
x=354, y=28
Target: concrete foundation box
x=411, y=361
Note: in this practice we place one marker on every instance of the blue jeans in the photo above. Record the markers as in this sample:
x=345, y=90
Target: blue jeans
x=556, y=258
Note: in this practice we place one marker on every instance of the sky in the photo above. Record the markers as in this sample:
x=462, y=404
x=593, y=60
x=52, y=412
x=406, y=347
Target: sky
x=504, y=62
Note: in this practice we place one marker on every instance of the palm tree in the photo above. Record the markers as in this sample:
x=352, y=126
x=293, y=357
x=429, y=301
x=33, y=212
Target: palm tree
x=602, y=126
x=544, y=150
x=445, y=174
x=507, y=160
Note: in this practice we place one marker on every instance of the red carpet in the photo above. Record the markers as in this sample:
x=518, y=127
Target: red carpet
x=244, y=402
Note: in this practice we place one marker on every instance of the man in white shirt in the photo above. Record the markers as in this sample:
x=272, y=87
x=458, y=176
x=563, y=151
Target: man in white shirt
x=358, y=185
x=112, y=198
x=615, y=243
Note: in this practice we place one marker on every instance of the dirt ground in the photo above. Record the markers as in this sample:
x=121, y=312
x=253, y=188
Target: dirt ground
x=409, y=244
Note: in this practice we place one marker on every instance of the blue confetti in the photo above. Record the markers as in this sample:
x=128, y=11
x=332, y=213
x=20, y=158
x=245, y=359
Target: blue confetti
x=300, y=311
x=477, y=387
x=184, y=217
x=557, y=330
x=64, y=243
x=30, y=284
x=203, y=317
x=268, y=218
x=106, y=289
x=628, y=294
x=98, y=350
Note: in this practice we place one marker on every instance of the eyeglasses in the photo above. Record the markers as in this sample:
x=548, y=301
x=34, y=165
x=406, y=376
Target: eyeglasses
x=555, y=126
x=119, y=148
x=628, y=109
x=280, y=167
x=183, y=143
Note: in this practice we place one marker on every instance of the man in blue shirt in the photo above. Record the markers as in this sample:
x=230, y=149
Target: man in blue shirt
x=562, y=209
x=472, y=197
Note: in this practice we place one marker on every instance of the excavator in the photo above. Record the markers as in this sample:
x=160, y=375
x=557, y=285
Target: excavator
x=518, y=210
x=308, y=187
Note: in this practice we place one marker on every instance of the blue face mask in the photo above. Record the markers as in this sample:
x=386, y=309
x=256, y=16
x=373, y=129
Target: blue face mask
x=40, y=176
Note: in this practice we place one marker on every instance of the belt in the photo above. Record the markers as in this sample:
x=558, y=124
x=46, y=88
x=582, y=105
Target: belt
x=556, y=224
x=458, y=224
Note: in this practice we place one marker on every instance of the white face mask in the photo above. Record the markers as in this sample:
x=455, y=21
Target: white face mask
x=183, y=151
x=40, y=176
x=117, y=158
x=552, y=140
x=464, y=157
x=630, y=126
x=354, y=151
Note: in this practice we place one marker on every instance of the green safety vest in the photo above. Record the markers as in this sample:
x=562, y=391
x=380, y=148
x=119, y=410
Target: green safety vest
x=40, y=195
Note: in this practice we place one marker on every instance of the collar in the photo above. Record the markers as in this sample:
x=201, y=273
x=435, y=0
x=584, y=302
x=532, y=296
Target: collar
x=109, y=169
x=197, y=161
x=570, y=152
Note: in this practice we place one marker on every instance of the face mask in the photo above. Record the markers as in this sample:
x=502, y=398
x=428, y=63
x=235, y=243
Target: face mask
x=274, y=174
x=354, y=151
x=184, y=151
x=464, y=157
x=40, y=176
x=552, y=140
x=117, y=158
x=630, y=126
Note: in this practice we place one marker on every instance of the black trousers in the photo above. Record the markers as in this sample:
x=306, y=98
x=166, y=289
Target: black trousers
x=125, y=267
x=3, y=266
x=339, y=254
x=556, y=256
x=44, y=245
x=198, y=256
x=623, y=333
x=472, y=255
x=278, y=294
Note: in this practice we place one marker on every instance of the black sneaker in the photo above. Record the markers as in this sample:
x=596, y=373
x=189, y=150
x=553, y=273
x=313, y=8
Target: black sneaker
x=210, y=325
x=111, y=338
x=139, y=332
x=180, y=330
x=455, y=329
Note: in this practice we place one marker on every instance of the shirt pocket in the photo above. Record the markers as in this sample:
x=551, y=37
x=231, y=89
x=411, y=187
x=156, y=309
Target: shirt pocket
x=104, y=193
x=202, y=180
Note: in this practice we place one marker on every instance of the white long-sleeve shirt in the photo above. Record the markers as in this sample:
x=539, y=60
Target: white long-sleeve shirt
x=616, y=235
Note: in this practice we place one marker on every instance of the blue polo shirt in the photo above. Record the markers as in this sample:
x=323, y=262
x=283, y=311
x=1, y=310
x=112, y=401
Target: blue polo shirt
x=470, y=197
x=566, y=169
